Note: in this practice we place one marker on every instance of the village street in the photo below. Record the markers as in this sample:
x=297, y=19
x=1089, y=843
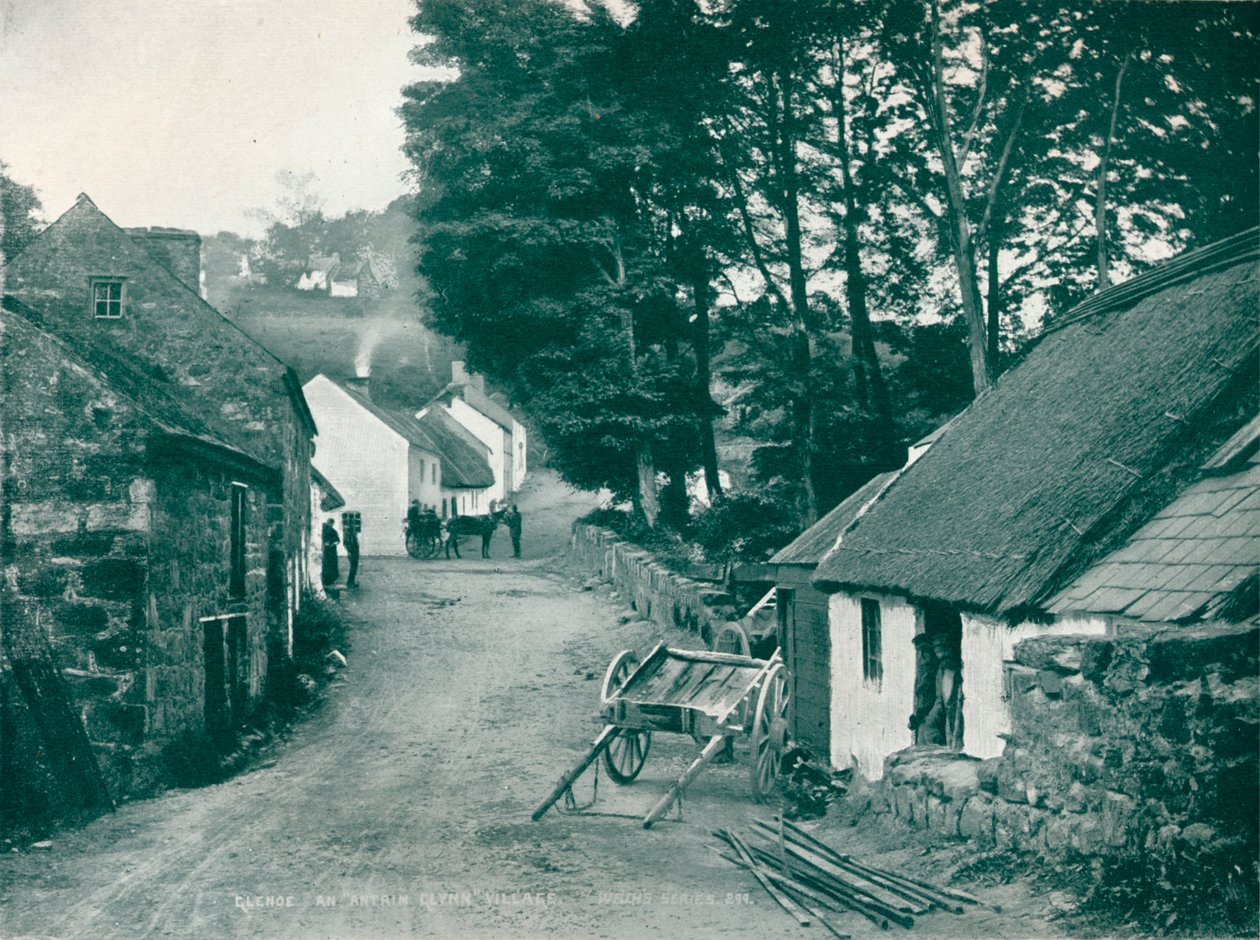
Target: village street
x=402, y=807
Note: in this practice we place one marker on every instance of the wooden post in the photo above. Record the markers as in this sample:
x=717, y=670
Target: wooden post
x=597, y=748
x=662, y=807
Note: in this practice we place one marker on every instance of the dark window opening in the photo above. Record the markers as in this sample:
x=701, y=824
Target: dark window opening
x=236, y=581
x=872, y=641
x=107, y=299
x=218, y=723
x=351, y=522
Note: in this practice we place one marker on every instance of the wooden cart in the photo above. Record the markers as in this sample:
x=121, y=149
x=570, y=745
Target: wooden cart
x=710, y=696
x=756, y=633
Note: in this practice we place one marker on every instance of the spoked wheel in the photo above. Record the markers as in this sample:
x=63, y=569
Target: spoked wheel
x=626, y=754
x=429, y=546
x=768, y=740
x=415, y=545
x=732, y=638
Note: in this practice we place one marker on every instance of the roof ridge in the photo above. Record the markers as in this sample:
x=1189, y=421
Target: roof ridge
x=1219, y=254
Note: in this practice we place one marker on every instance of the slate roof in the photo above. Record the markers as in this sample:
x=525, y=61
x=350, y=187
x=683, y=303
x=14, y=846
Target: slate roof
x=811, y=545
x=463, y=457
x=1186, y=563
x=331, y=498
x=462, y=465
x=152, y=395
x=1101, y=426
x=403, y=425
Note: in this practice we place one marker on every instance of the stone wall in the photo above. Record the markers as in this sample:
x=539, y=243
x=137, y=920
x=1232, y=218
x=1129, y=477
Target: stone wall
x=115, y=540
x=1119, y=745
x=660, y=595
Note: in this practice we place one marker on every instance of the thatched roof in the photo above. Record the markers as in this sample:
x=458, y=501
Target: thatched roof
x=464, y=458
x=1103, y=424
x=811, y=545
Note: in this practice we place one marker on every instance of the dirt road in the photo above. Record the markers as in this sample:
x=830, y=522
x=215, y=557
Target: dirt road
x=402, y=808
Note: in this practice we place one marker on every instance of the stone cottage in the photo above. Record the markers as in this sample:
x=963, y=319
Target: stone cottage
x=88, y=281
x=136, y=618
x=1091, y=490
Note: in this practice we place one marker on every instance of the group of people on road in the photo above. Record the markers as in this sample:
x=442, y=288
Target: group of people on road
x=418, y=520
x=330, y=567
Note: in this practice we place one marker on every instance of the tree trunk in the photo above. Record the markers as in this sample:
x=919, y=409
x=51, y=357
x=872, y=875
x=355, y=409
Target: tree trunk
x=994, y=299
x=802, y=341
x=956, y=213
x=647, y=501
x=705, y=407
x=872, y=391
x=1100, y=206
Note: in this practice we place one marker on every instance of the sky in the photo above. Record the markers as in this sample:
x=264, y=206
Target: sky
x=182, y=112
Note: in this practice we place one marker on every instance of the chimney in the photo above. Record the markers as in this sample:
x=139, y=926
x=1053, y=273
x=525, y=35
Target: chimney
x=478, y=381
x=177, y=250
x=360, y=384
x=459, y=374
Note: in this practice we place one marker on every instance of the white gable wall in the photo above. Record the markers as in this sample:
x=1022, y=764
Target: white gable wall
x=520, y=447
x=495, y=439
x=366, y=460
x=986, y=645
x=869, y=719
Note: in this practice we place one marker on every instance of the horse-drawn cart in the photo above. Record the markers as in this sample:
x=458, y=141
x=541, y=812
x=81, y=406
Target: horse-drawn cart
x=710, y=696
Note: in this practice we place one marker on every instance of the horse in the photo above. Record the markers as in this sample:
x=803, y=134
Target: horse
x=477, y=525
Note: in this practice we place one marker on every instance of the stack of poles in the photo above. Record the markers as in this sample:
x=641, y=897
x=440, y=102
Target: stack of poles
x=805, y=876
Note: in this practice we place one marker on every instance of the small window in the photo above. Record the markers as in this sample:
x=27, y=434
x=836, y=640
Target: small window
x=433, y=477
x=236, y=580
x=872, y=641
x=351, y=522
x=108, y=299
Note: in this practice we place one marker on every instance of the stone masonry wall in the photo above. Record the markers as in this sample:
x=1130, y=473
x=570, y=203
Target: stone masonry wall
x=660, y=595
x=1120, y=745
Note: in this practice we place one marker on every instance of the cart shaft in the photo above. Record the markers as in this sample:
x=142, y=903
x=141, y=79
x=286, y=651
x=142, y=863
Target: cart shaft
x=662, y=807
x=598, y=747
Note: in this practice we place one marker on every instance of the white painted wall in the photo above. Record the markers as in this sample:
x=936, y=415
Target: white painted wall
x=496, y=440
x=368, y=463
x=986, y=645
x=344, y=289
x=520, y=449
x=424, y=478
x=869, y=719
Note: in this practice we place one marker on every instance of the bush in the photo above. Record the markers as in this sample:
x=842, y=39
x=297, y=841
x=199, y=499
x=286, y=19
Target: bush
x=745, y=527
x=318, y=628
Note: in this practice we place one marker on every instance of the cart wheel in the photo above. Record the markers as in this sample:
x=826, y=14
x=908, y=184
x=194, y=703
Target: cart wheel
x=768, y=739
x=615, y=677
x=626, y=755
x=732, y=638
x=415, y=548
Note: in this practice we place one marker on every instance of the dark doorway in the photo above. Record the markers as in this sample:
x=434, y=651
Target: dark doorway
x=237, y=670
x=218, y=721
x=938, y=694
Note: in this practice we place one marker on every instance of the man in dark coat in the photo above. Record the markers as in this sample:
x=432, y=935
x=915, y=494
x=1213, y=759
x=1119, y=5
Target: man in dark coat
x=512, y=519
x=330, y=570
x=352, y=552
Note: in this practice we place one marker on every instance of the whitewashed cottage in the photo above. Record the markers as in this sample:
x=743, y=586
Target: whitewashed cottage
x=1107, y=480
x=379, y=461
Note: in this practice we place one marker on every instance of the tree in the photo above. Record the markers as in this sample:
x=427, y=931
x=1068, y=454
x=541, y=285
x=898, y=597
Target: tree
x=544, y=258
x=19, y=215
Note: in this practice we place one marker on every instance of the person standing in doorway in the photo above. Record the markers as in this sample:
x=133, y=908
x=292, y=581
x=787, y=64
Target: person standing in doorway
x=351, y=541
x=512, y=519
x=330, y=569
